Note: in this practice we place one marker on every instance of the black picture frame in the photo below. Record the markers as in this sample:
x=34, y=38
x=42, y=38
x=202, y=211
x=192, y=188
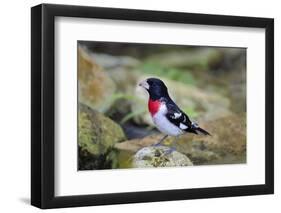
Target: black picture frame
x=43, y=102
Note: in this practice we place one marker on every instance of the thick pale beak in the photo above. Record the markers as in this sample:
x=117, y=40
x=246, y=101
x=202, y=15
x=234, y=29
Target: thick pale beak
x=144, y=84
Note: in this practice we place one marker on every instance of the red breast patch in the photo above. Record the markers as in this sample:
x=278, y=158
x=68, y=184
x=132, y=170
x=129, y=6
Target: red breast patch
x=153, y=106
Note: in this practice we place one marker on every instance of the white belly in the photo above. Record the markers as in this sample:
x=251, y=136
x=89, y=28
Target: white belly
x=165, y=126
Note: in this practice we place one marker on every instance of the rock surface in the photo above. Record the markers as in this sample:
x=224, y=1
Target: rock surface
x=96, y=138
x=136, y=144
x=228, y=135
x=120, y=69
x=95, y=85
x=156, y=156
x=188, y=145
x=221, y=147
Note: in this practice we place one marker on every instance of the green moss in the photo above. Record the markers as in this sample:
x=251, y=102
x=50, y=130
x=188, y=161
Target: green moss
x=97, y=133
x=86, y=139
x=151, y=156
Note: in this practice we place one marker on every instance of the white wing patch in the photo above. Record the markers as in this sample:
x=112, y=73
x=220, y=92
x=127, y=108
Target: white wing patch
x=195, y=125
x=182, y=126
x=177, y=115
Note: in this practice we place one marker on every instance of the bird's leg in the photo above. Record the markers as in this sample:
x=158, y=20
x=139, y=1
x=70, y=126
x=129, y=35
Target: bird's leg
x=172, y=148
x=159, y=142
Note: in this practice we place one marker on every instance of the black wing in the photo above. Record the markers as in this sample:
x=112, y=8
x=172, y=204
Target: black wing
x=176, y=116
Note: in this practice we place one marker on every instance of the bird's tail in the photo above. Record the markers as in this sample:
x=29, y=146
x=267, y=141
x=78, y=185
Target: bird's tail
x=197, y=130
x=201, y=131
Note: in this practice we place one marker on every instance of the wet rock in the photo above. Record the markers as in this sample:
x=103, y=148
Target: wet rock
x=96, y=138
x=157, y=157
x=95, y=85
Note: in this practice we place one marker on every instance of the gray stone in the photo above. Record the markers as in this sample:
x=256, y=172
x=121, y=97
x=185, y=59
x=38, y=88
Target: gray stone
x=159, y=156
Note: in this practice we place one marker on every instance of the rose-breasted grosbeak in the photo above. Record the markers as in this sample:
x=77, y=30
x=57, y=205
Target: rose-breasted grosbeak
x=166, y=115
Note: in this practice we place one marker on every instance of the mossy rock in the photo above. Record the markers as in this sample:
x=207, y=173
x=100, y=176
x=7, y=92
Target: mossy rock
x=97, y=132
x=228, y=135
x=95, y=85
x=195, y=151
x=97, y=135
x=159, y=156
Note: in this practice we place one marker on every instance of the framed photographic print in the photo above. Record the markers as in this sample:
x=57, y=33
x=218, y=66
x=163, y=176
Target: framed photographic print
x=140, y=106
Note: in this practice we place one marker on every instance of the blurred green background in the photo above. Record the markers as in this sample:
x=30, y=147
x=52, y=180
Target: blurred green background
x=114, y=126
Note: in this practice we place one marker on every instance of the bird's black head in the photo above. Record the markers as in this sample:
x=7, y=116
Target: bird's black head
x=155, y=87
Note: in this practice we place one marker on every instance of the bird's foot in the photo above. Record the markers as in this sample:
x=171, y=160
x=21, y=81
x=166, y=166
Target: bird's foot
x=170, y=150
x=157, y=144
